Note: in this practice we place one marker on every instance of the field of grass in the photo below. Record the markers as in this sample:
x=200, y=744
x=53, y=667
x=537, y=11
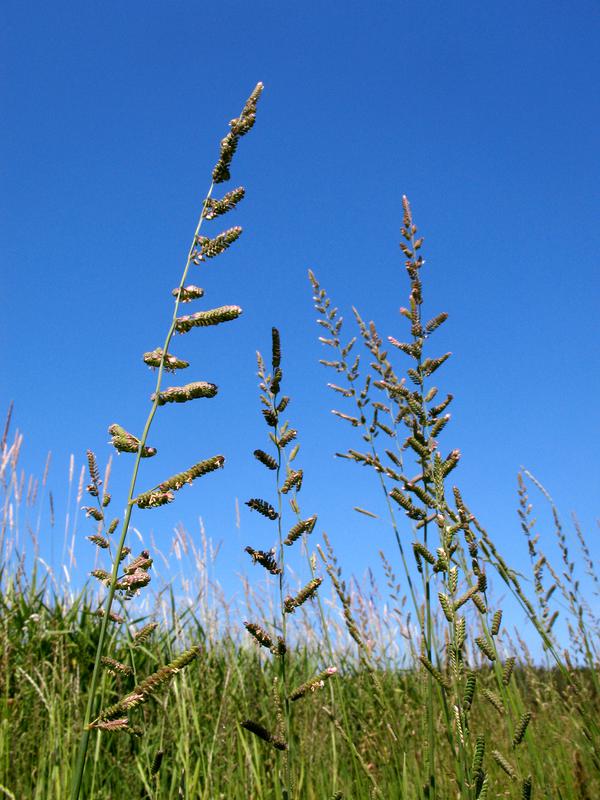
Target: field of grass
x=365, y=735
x=416, y=689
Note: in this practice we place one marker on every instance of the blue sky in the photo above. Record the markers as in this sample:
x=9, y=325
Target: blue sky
x=484, y=114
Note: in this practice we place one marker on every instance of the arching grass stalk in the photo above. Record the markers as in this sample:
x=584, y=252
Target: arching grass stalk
x=201, y=249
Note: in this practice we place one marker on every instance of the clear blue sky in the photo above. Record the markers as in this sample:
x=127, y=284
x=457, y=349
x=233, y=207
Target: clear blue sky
x=484, y=114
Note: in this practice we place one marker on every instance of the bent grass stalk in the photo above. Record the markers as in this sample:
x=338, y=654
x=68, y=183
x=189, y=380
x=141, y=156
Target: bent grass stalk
x=200, y=249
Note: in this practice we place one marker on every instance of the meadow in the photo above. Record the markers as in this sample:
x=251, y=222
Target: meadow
x=335, y=687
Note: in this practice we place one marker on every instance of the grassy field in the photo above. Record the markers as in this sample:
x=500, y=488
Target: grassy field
x=364, y=734
x=420, y=688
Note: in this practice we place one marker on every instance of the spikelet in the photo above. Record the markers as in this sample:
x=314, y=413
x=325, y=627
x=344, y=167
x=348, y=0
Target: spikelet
x=100, y=541
x=270, y=417
x=245, y=121
x=446, y=606
x=163, y=493
x=181, y=394
x=126, y=442
x=265, y=459
x=465, y=597
x=154, y=499
x=419, y=547
x=494, y=700
x=275, y=383
x=479, y=602
x=496, y=622
x=439, y=425
x=259, y=634
x=441, y=679
x=210, y=248
x=526, y=787
x=216, y=208
x=412, y=511
x=293, y=481
x=521, y=728
x=170, y=362
x=143, y=561
x=266, y=560
x=186, y=294
x=459, y=725
x=504, y=764
x=287, y=437
x=423, y=496
x=275, y=348
x=116, y=667
x=149, y=687
x=340, y=390
x=190, y=475
x=239, y=127
x=264, y=508
x=133, y=581
x=482, y=582
x=203, y=319
x=469, y=690
x=435, y=411
x=420, y=449
x=303, y=526
x=451, y=462
x=92, y=511
x=113, y=526
x=484, y=790
x=435, y=323
x=508, y=670
x=430, y=365
x=280, y=648
x=114, y=725
x=142, y=635
x=114, y=617
x=227, y=150
x=290, y=604
x=94, y=474
x=485, y=647
x=313, y=684
x=453, y=579
x=264, y=734
x=100, y=574
x=156, y=762
x=478, y=755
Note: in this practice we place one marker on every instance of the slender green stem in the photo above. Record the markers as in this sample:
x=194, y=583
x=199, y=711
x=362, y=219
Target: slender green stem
x=283, y=655
x=83, y=745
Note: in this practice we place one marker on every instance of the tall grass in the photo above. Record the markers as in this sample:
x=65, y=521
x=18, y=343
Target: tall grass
x=418, y=689
x=135, y=575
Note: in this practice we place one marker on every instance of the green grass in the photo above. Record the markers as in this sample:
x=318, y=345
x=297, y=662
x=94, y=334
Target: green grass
x=47, y=655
